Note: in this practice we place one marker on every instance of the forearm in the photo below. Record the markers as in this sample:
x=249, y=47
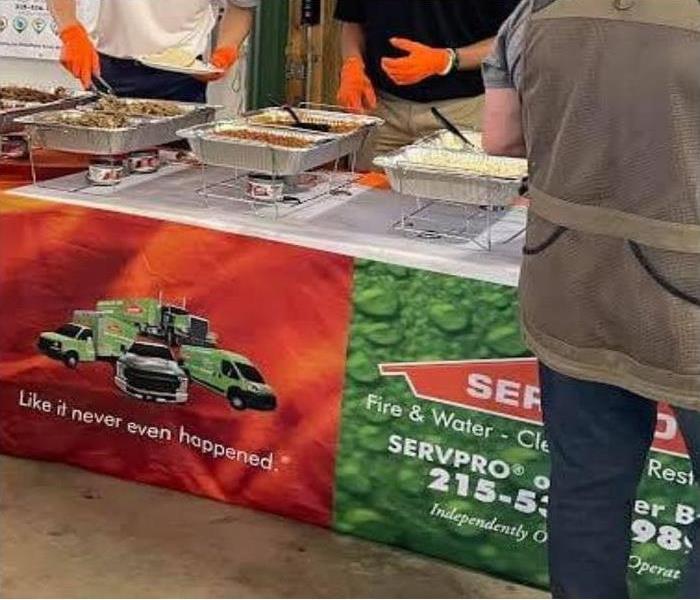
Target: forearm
x=352, y=40
x=235, y=26
x=63, y=12
x=471, y=57
x=503, y=125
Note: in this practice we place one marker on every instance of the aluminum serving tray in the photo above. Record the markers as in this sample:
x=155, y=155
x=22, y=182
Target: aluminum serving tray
x=408, y=176
x=260, y=157
x=18, y=109
x=350, y=142
x=142, y=132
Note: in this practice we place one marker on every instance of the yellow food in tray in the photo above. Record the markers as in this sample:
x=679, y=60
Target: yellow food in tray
x=448, y=141
x=477, y=164
x=177, y=57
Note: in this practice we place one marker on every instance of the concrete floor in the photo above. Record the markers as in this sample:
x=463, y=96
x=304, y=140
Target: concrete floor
x=65, y=533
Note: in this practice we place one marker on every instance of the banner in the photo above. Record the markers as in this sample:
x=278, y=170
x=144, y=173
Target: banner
x=174, y=356
x=442, y=449
x=390, y=403
x=27, y=29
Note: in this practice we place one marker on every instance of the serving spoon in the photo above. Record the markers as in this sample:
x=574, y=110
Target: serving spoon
x=452, y=128
x=298, y=123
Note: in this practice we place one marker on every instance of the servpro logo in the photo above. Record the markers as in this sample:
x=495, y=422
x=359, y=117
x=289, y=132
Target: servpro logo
x=506, y=388
x=134, y=310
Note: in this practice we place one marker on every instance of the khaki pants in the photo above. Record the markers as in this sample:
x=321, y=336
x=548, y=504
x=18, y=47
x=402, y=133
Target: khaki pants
x=407, y=121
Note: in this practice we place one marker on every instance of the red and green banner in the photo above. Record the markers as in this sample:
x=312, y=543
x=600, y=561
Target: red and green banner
x=244, y=319
x=390, y=403
x=442, y=449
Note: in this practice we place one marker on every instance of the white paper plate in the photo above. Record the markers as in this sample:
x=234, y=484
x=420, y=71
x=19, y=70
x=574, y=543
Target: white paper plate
x=197, y=68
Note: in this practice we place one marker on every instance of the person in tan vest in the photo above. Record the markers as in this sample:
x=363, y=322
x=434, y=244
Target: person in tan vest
x=603, y=97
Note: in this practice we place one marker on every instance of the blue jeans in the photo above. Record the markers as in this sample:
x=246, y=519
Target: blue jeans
x=599, y=436
x=131, y=79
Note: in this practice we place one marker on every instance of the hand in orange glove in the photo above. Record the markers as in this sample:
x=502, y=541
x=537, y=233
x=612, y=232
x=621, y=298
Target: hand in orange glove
x=222, y=58
x=79, y=55
x=356, y=92
x=420, y=63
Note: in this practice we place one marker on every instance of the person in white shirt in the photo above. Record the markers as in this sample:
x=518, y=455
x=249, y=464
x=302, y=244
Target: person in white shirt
x=123, y=30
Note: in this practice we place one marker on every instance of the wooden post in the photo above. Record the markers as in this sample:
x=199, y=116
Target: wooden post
x=325, y=62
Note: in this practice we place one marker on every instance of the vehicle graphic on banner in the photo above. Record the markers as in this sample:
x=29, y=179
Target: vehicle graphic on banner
x=90, y=336
x=149, y=371
x=159, y=348
x=230, y=375
x=175, y=324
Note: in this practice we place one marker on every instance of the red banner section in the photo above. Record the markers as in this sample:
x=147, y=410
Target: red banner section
x=506, y=388
x=187, y=358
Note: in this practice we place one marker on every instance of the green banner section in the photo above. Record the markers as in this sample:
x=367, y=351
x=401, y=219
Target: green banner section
x=442, y=451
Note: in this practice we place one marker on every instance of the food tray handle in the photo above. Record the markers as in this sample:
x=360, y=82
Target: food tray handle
x=197, y=131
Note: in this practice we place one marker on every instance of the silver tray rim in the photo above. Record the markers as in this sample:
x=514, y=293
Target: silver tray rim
x=9, y=117
x=364, y=121
x=189, y=107
x=204, y=132
x=37, y=119
x=32, y=120
x=392, y=161
x=141, y=133
x=72, y=96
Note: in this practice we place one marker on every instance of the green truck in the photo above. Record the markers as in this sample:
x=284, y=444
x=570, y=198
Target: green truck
x=230, y=375
x=174, y=324
x=90, y=336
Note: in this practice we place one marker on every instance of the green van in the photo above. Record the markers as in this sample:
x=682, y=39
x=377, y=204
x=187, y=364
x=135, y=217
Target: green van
x=230, y=375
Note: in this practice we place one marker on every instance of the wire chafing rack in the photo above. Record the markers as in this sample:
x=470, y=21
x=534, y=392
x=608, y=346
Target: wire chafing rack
x=453, y=204
x=111, y=146
x=262, y=151
x=292, y=193
x=14, y=141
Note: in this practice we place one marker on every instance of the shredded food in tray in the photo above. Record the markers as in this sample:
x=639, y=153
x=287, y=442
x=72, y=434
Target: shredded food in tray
x=275, y=139
x=27, y=94
x=478, y=164
x=139, y=108
x=334, y=126
x=449, y=141
x=101, y=120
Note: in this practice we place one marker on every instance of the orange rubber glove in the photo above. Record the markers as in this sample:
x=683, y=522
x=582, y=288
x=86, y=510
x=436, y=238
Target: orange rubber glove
x=420, y=63
x=356, y=92
x=222, y=58
x=79, y=55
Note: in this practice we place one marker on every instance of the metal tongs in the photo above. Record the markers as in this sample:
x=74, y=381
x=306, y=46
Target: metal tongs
x=101, y=87
x=452, y=128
